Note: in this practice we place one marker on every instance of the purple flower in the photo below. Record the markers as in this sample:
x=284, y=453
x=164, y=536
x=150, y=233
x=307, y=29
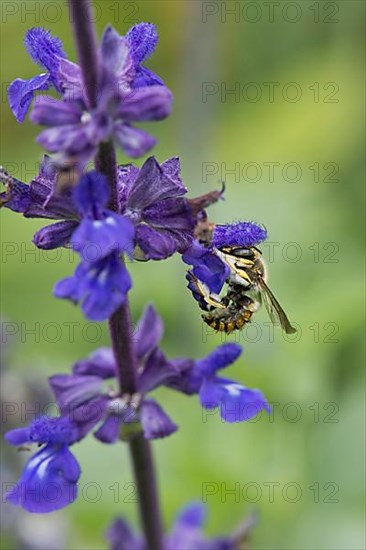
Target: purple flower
x=186, y=533
x=81, y=396
x=39, y=199
x=47, y=51
x=100, y=286
x=237, y=403
x=101, y=281
x=238, y=234
x=49, y=479
x=152, y=199
x=75, y=130
x=99, y=227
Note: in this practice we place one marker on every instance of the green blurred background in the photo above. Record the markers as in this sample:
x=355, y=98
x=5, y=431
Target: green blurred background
x=313, y=213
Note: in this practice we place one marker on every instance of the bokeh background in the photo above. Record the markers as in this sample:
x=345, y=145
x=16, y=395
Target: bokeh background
x=312, y=448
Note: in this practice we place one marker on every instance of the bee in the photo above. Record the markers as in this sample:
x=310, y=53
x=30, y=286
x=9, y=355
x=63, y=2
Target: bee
x=246, y=291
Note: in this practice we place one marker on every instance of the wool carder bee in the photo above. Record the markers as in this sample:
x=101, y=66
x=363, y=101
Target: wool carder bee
x=246, y=291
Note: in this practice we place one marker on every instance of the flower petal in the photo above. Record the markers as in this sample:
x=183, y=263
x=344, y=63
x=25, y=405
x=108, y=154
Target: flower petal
x=121, y=537
x=152, y=185
x=149, y=103
x=112, y=234
x=45, y=49
x=142, y=39
x=17, y=436
x=159, y=244
x=48, y=111
x=155, y=422
x=133, y=141
x=21, y=92
x=207, y=267
x=55, y=235
x=48, y=482
x=221, y=357
x=100, y=363
x=239, y=404
x=70, y=80
x=145, y=77
x=157, y=371
x=149, y=332
x=17, y=195
x=211, y=393
x=102, y=287
x=240, y=234
x=72, y=390
x=115, y=53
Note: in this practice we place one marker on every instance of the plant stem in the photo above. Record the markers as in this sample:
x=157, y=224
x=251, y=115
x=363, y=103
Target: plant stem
x=86, y=43
x=120, y=325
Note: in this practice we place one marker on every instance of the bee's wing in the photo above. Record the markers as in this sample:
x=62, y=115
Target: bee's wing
x=275, y=311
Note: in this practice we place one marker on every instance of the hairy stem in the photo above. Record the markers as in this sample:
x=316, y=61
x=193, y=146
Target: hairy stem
x=120, y=323
x=86, y=43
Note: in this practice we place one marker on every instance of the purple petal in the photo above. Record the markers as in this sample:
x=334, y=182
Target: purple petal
x=100, y=363
x=149, y=103
x=72, y=140
x=48, y=482
x=126, y=177
x=207, y=267
x=158, y=244
x=48, y=111
x=92, y=193
x=192, y=515
x=72, y=390
x=239, y=404
x=116, y=56
x=152, y=185
x=46, y=201
x=21, y=93
x=142, y=39
x=149, y=332
x=73, y=288
x=211, y=394
x=55, y=430
x=173, y=213
x=172, y=168
x=113, y=234
x=221, y=357
x=145, y=77
x=55, y=235
x=87, y=415
x=157, y=371
x=45, y=49
x=187, y=380
x=17, y=195
x=187, y=530
x=70, y=80
x=155, y=422
x=238, y=234
x=133, y=141
x=109, y=431
x=102, y=287
x=17, y=436
x=121, y=537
